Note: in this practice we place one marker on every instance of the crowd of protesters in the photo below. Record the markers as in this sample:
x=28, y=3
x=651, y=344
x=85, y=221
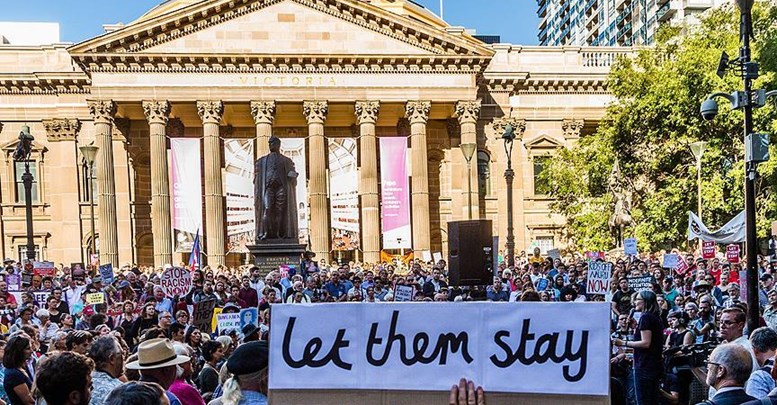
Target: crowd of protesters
x=141, y=346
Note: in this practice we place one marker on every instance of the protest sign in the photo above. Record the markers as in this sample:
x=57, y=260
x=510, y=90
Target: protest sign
x=708, y=249
x=542, y=284
x=599, y=274
x=554, y=254
x=426, y=255
x=743, y=285
x=41, y=297
x=228, y=322
x=403, y=293
x=213, y=321
x=670, y=261
x=44, y=269
x=26, y=278
x=14, y=282
x=249, y=316
x=106, y=271
x=486, y=342
x=95, y=298
x=732, y=253
x=630, y=246
x=594, y=255
x=682, y=266
x=203, y=311
x=176, y=281
x=640, y=283
x=437, y=256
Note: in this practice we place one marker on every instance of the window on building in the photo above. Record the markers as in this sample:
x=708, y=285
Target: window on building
x=484, y=173
x=545, y=243
x=88, y=183
x=541, y=185
x=18, y=173
x=22, y=249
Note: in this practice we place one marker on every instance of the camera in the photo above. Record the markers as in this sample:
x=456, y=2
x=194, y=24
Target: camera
x=709, y=109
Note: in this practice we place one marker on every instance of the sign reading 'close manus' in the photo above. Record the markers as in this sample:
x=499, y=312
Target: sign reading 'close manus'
x=376, y=346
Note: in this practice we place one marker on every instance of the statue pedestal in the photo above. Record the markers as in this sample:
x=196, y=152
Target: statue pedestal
x=272, y=253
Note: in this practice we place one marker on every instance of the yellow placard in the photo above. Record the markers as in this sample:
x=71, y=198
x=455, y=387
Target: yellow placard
x=95, y=298
x=214, y=321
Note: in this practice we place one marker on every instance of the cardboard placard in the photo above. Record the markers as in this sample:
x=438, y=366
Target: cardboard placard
x=106, y=272
x=732, y=253
x=437, y=256
x=403, y=293
x=26, y=279
x=682, y=266
x=481, y=341
x=670, y=261
x=95, y=298
x=426, y=255
x=44, y=269
x=249, y=316
x=554, y=254
x=630, y=246
x=176, y=281
x=599, y=274
x=14, y=282
x=708, y=249
x=542, y=284
x=203, y=312
x=41, y=297
x=640, y=283
x=228, y=322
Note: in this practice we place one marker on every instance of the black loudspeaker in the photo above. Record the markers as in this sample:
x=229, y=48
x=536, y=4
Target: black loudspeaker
x=470, y=253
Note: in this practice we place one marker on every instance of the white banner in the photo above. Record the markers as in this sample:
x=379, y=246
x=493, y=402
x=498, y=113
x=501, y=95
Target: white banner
x=294, y=149
x=344, y=193
x=239, y=188
x=368, y=346
x=732, y=232
x=186, y=189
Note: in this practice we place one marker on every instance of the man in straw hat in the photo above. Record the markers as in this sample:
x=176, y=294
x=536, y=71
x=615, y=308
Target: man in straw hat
x=156, y=362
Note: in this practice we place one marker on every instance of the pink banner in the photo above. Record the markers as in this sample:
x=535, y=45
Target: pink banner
x=186, y=190
x=394, y=193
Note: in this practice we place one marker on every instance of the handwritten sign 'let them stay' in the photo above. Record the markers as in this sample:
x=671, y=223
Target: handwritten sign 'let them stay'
x=347, y=346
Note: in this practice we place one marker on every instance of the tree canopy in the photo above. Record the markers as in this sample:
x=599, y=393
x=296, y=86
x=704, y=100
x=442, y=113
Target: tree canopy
x=649, y=127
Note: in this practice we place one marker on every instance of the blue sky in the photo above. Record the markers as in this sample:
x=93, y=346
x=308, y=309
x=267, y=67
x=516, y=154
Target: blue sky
x=514, y=20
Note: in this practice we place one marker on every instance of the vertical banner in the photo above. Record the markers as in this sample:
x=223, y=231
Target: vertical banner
x=394, y=193
x=186, y=184
x=239, y=188
x=344, y=194
x=294, y=149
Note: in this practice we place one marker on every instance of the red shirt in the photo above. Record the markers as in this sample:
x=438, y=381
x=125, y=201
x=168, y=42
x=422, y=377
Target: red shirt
x=716, y=274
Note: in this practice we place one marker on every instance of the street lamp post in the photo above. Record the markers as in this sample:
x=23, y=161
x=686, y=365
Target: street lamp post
x=89, y=152
x=22, y=154
x=509, y=137
x=697, y=148
x=468, y=149
x=756, y=145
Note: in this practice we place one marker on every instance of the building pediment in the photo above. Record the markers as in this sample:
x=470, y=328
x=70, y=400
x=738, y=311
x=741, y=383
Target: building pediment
x=543, y=142
x=232, y=28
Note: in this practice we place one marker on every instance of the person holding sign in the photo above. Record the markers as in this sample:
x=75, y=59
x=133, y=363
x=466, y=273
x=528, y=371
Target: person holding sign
x=648, y=365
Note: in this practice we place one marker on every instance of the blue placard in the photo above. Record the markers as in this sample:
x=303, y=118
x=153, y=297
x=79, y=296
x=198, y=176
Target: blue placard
x=249, y=315
x=106, y=271
x=542, y=284
x=630, y=246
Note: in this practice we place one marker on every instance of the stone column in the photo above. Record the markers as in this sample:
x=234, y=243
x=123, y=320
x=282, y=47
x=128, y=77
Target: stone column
x=102, y=112
x=264, y=115
x=210, y=112
x=315, y=113
x=366, y=116
x=417, y=113
x=157, y=113
x=468, y=113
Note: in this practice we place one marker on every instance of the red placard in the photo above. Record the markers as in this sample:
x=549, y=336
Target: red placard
x=708, y=249
x=44, y=269
x=682, y=266
x=732, y=253
x=594, y=255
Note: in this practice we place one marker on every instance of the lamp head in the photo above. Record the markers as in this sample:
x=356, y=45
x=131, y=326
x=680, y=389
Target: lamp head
x=709, y=109
x=24, y=147
x=88, y=152
x=698, y=148
x=468, y=149
x=509, y=134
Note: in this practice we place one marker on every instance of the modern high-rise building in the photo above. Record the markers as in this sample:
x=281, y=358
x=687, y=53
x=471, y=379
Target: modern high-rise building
x=613, y=22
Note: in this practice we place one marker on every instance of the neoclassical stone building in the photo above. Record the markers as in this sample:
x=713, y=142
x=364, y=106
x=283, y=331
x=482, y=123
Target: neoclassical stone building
x=312, y=69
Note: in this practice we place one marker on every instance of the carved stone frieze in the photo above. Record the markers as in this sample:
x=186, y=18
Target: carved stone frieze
x=210, y=112
x=156, y=112
x=62, y=129
x=572, y=128
x=418, y=111
x=263, y=111
x=315, y=111
x=468, y=111
x=367, y=112
x=499, y=124
x=102, y=111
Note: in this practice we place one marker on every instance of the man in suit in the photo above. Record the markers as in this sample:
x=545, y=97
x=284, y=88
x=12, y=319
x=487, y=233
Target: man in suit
x=728, y=369
x=275, y=205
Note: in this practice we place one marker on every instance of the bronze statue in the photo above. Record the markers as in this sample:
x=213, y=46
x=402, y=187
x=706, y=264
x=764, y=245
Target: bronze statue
x=621, y=198
x=275, y=199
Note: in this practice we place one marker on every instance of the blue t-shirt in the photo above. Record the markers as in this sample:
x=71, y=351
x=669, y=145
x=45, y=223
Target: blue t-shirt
x=13, y=377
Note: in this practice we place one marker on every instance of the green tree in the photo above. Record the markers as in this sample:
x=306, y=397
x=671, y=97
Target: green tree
x=649, y=127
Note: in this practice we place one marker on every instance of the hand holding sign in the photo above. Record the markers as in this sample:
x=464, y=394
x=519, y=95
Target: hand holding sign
x=466, y=394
